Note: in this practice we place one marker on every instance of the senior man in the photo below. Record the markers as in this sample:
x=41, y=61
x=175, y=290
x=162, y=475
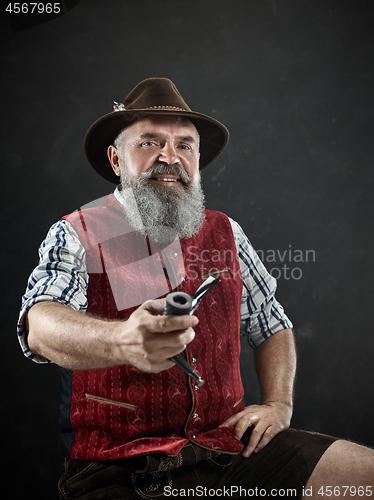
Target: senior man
x=133, y=423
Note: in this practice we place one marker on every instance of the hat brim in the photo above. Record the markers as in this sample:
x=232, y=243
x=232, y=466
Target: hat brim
x=214, y=137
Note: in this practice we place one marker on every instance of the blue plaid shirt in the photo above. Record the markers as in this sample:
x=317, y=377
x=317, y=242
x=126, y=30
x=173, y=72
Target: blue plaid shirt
x=62, y=276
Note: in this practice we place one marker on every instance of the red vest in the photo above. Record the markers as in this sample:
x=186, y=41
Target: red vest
x=119, y=412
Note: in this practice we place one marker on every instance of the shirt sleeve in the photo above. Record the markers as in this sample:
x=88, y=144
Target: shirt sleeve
x=261, y=315
x=61, y=276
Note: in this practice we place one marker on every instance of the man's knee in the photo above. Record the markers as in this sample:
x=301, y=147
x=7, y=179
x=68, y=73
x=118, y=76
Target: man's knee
x=344, y=464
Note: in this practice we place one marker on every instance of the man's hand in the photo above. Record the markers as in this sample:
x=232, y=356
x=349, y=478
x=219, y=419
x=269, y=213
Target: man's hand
x=275, y=364
x=148, y=339
x=267, y=421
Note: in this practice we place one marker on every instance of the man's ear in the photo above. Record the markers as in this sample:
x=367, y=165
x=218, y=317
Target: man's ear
x=113, y=156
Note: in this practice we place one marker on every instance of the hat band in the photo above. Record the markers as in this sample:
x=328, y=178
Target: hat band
x=165, y=107
x=121, y=107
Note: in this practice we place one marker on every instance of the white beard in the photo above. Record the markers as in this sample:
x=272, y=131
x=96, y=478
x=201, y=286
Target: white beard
x=163, y=213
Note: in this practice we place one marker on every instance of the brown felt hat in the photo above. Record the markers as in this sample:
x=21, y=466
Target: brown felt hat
x=153, y=96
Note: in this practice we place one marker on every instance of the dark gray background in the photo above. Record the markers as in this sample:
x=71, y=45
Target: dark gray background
x=293, y=81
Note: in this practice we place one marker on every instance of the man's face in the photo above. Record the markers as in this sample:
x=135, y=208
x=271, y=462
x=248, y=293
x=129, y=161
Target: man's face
x=157, y=159
x=154, y=140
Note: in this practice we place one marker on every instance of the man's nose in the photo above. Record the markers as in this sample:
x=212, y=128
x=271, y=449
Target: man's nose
x=169, y=155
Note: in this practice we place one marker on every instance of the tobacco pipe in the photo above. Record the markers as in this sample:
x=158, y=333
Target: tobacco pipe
x=180, y=303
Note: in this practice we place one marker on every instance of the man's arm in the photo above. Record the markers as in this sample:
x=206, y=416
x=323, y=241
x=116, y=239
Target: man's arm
x=53, y=323
x=275, y=361
x=75, y=340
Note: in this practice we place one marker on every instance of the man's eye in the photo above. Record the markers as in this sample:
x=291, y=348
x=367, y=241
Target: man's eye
x=148, y=143
x=185, y=146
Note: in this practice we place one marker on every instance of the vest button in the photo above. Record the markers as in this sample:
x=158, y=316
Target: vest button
x=196, y=387
x=193, y=360
x=195, y=415
x=182, y=278
x=193, y=436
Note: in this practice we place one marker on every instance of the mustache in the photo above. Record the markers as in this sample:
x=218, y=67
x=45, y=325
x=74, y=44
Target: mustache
x=162, y=168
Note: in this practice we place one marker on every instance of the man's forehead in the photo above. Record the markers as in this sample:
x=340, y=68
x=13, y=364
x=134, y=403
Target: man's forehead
x=157, y=124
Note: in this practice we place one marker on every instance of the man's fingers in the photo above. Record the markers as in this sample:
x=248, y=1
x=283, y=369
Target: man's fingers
x=174, y=343
x=231, y=421
x=267, y=436
x=155, y=307
x=173, y=323
x=256, y=435
x=242, y=421
x=157, y=322
x=260, y=437
x=249, y=413
x=261, y=434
